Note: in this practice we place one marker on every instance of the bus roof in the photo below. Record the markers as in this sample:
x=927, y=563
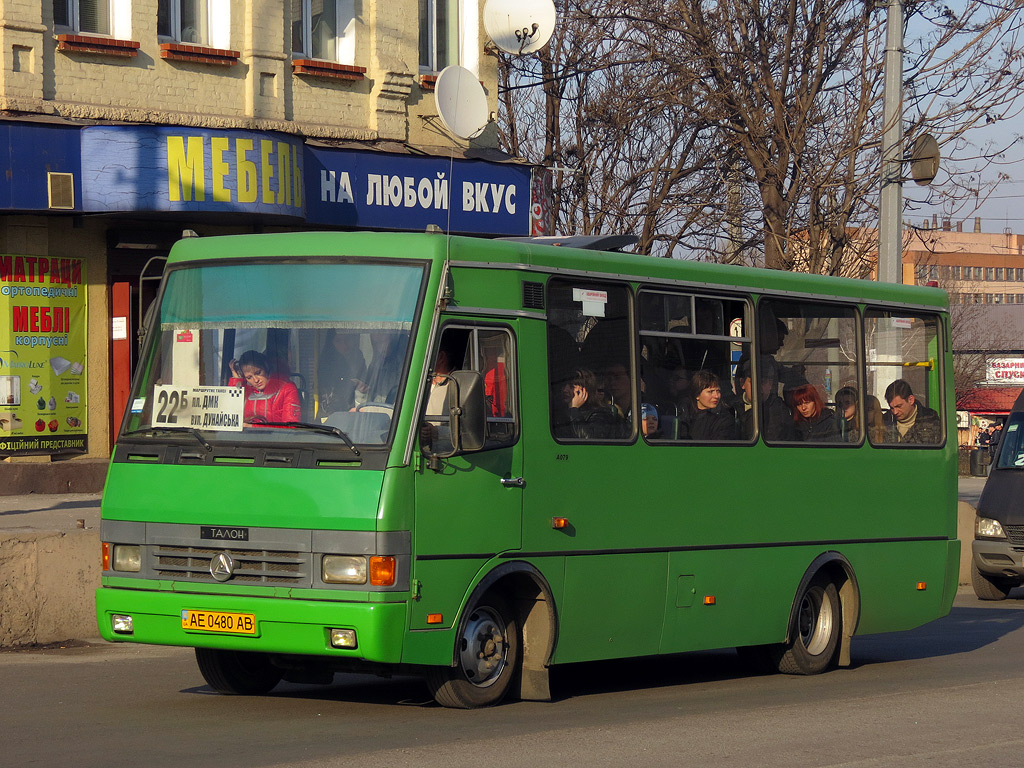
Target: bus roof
x=467, y=251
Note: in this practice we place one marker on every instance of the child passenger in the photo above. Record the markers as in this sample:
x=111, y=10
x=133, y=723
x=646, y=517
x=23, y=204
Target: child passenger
x=268, y=400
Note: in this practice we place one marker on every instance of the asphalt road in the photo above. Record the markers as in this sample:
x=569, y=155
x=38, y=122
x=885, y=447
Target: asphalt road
x=945, y=694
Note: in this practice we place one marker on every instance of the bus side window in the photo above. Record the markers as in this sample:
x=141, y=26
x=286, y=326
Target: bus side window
x=590, y=361
x=902, y=351
x=811, y=350
x=683, y=336
x=489, y=351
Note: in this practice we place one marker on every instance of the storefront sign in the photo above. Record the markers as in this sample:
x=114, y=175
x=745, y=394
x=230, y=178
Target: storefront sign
x=43, y=384
x=175, y=169
x=1005, y=370
x=372, y=190
x=157, y=168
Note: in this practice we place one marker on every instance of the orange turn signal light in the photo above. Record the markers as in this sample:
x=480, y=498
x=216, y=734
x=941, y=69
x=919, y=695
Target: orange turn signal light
x=558, y=523
x=434, y=618
x=106, y=556
x=709, y=599
x=382, y=571
x=922, y=586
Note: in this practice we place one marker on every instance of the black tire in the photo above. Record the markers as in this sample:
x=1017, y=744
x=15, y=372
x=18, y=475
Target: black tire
x=987, y=588
x=237, y=672
x=817, y=627
x=487, y=658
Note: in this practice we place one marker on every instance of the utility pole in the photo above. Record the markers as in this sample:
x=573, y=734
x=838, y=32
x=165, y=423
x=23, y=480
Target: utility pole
x=890, y=228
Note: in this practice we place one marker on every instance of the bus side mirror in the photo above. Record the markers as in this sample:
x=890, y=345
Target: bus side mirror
x=467, y=405
x=467, y=416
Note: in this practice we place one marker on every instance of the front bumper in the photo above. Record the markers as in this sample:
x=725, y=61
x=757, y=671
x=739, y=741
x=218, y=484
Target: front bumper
x=282, y=625
x=999, y=558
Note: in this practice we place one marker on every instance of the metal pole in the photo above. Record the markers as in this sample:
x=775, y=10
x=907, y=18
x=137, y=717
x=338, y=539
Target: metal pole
x=890, y=229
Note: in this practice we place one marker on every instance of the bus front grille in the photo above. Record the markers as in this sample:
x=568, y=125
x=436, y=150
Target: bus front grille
x=250, y=566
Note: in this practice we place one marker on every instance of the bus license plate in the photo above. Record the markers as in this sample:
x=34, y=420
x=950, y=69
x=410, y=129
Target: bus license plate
x=218, y=621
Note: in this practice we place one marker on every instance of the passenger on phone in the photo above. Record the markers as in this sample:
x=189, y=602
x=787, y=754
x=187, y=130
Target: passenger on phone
x=590, y=411
x=268, y=400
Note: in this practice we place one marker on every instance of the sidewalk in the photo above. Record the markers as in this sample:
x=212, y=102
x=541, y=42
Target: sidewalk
x=49, y=568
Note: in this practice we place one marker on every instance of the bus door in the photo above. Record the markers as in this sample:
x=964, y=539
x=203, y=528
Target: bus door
x=468, y=506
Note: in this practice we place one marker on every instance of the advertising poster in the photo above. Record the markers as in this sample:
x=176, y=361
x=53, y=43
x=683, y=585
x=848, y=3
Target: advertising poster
x=43, y=364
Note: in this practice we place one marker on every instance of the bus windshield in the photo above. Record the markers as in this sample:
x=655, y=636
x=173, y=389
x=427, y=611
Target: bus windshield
x=276, y=352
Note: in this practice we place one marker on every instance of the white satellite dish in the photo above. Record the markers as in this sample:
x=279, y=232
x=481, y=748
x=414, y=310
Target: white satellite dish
x=461, y=102
x=519, y=26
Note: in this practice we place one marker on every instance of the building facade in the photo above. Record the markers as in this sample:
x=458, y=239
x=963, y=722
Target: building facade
x=125, y=123
x=984, y=275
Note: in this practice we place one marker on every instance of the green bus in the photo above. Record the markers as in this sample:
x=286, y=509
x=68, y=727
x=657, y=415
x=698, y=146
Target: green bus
x=474, y=459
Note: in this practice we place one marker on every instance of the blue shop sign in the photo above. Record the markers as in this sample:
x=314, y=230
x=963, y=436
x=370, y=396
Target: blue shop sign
x=30, y=153
x=371, y=190
x=164, y=168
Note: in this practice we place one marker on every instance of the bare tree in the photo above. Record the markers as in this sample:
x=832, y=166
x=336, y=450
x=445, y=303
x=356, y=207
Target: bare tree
x=741, y=128
x=629, y=155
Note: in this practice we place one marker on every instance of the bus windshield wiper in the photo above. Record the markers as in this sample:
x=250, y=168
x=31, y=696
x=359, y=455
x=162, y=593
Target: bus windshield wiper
x=174, y=430
x=325, y=428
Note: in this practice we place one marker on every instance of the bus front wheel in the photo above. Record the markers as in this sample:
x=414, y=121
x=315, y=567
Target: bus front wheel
x=237, y=672
x=487, y=656
x=814, y=636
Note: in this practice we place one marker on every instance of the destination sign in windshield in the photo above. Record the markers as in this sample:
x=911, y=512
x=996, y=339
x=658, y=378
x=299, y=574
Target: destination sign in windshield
x=216, y=408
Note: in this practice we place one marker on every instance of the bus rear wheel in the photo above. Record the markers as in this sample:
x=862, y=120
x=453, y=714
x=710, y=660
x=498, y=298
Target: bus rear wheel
x=815, y=633
x=487, y=657
x=237, y=672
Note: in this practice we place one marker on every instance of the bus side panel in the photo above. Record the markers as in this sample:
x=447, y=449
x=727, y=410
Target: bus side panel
x=721, y=598
x=888, y=575
x=613, y=606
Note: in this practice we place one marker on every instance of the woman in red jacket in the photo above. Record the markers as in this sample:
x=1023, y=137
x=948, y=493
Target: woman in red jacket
x=267, y=399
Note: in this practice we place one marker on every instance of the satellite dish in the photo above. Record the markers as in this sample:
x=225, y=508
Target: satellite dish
x=461, y=102
x=924, y=159
x=519, y=26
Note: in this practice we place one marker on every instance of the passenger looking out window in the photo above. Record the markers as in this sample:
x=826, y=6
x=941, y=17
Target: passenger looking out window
x=910, y=421
x=649, y=422
x=711, y=419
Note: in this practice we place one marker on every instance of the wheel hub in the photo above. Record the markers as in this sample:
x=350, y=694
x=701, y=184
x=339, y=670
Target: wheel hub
x=482, y=657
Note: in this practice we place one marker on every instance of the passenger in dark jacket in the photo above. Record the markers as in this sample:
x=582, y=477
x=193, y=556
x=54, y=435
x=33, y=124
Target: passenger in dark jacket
x=710, y=419
x=776, y=418
x=814, y=422
x=909, y=421
x=590, y=414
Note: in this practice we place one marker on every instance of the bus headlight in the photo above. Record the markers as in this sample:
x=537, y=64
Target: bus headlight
x=127, y=557
x=121, y=624
x=987, y=528
x=344, y=569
